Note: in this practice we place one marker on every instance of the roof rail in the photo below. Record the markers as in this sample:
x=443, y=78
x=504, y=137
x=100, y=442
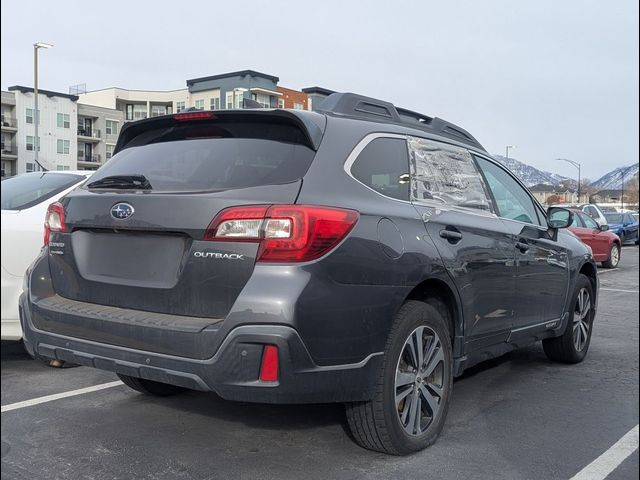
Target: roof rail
x=358, y=106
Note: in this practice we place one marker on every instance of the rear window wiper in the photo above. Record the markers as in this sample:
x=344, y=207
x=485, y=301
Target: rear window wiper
x=136, y=182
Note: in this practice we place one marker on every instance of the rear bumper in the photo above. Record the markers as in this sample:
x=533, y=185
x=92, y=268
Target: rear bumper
x=232, y=372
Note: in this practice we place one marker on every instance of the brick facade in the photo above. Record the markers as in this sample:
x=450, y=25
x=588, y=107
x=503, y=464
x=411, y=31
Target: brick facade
x=291, y=97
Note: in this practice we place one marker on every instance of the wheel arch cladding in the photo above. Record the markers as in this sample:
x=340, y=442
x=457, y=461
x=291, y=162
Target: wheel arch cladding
x=590, y=271
x=434, y=289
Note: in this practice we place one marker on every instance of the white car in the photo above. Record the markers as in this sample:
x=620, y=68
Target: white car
x=25, y=199
x=591, y=209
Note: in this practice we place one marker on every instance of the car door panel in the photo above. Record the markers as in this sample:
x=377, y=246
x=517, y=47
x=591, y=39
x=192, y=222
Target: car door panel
x=541, y=263
x=474, y=244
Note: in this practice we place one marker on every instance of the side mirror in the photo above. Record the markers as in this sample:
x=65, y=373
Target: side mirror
x=559, y=217
x=603, y=228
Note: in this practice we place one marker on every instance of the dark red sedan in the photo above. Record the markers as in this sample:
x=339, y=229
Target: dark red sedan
x=606, y=245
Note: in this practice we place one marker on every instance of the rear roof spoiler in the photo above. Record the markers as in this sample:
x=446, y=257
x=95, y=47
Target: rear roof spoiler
x=311, y=124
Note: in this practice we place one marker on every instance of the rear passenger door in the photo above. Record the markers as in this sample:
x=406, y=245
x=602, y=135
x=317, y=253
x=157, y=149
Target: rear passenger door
x=474, y=244
x=542, y=264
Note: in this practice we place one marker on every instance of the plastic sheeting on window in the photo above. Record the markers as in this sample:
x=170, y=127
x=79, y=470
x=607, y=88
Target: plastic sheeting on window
x=446, y=175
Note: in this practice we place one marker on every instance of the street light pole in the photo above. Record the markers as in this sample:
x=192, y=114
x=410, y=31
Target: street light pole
x=507, y=150
x=36, y=115
x=579, y=167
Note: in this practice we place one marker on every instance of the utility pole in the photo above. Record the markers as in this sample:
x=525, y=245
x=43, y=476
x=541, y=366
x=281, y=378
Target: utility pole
x=507, y=150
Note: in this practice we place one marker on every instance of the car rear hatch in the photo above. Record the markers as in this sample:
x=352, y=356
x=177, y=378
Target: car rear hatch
x=141, y=245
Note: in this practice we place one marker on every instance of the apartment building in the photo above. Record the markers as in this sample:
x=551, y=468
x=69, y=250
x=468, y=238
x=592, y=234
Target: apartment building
x=215, y=92
x=71, y=136
x=290, y=98
x=316, y=95
x=98, y=129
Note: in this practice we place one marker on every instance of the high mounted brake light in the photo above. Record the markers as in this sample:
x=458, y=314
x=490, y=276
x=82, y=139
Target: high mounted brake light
x=54, y=221
x=286, y=233
x=194, y=116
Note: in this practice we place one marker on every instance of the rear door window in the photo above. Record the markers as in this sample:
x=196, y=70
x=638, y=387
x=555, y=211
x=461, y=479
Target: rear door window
x=446, y=175
x=383, y=166
x=221, y=156
x=589, y=222
x=30, y=189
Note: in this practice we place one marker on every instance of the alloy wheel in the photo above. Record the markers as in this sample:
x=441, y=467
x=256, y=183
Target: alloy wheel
x=581, y=319
x=420, y=380
x=615, y=256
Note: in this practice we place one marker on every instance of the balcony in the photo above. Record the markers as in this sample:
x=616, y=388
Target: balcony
x=9, y=124
x=9, y=151
x=85, y=158
x=86, y=135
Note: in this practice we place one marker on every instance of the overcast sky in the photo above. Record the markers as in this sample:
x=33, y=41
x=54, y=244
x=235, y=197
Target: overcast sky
x=555, y=78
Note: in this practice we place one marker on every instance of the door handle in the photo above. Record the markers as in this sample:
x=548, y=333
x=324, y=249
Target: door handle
x=452, y=236
x=522, y=245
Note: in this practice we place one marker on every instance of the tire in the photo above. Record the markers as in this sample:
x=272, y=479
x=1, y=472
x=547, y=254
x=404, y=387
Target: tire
x=149, y=387
x=572, y=346
x=614, y=257
x=379, y=424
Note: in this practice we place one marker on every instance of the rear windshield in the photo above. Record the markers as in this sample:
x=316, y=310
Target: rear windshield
x=613, y=217
x=25, y=191
x=213, y=157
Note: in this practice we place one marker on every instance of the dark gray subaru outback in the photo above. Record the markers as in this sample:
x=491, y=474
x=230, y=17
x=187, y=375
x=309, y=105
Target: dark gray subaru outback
x=363, y=254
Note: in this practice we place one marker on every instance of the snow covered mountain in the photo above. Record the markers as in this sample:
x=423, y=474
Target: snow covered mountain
x=528, y=174
x=613, y=179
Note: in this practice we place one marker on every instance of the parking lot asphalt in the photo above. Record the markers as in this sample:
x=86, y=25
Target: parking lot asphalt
x=516, y=417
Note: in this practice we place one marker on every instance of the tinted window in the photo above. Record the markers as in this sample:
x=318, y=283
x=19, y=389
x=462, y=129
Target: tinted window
x=589, y=222
x=591, y=211
x=445, y=174
x=381, y=166
x=213, y=157
x=513, y=201
x=613, y=218
x=30, y=189
x=577, y=223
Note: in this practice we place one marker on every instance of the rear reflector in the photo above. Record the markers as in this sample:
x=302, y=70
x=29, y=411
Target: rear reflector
x=269, y=366
x=54, y=221
x=194, y=116
x=286, y=233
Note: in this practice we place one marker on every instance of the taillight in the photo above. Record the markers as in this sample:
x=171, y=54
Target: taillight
x=54, y=221
x=286, y=233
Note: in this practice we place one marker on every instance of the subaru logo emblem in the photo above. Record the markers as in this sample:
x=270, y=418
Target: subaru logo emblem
x=120, y=211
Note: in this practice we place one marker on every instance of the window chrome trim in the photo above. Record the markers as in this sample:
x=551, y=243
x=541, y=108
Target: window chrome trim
x=362, y=144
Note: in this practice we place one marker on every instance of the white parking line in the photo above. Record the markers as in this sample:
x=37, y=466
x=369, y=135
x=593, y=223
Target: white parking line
x=618, y=290
x=609, y=460
x=57, y=396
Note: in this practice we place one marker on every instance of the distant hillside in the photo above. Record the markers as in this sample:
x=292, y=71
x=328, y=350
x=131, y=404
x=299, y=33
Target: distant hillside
x=528, y=174
x=613, y=179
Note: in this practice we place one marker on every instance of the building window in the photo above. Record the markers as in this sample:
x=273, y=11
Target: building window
x=29, y=115
x=109, y=153
x=199, y=104
x=63, y=147
x=3, y=172
x=215, y=103
x=129, y=111
x=180, y=106
x=112, y=127
x=158, y=110
x=63, y=120
x=298, y=106
x=30, y=167
x=280, y=103
x=30, y=143
x=139, y=112
x=229, y=102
